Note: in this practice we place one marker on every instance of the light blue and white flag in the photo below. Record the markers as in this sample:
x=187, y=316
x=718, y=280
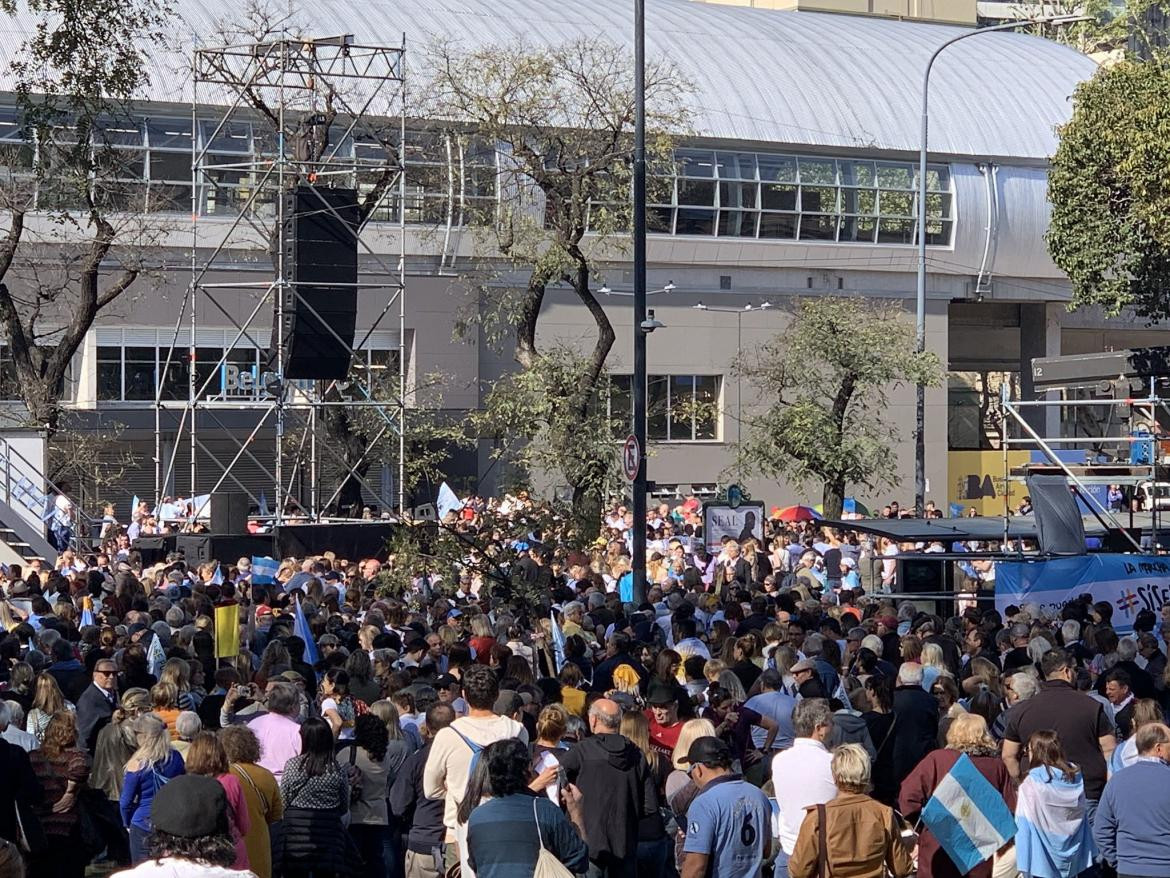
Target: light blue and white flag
x=301, y=629
x=558, y=639
x=1053, y=836
x=447, y=501
x=217, y=576
x=264, y=570
x=86, y=616
x=968, y=816
x=155, y=657
x=133, y=507
x=263, y=505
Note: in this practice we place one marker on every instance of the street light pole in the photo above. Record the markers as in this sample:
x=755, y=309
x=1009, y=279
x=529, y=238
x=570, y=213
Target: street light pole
x=920, y=300
x=638, y=389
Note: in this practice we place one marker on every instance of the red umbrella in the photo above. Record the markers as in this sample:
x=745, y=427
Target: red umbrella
x=798, y=513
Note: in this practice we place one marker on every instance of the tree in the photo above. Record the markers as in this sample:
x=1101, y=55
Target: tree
x=562, y=119
x=825, y=382
x=73, y=78
x=1108, y=184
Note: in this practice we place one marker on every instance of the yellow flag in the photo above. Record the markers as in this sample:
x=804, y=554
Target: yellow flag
x=227, y=631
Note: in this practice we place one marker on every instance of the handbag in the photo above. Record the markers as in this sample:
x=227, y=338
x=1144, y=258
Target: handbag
x=547, y=865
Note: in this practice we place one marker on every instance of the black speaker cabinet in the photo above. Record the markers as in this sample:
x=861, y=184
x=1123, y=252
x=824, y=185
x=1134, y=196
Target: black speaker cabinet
x=229, y=513
x=319, y=308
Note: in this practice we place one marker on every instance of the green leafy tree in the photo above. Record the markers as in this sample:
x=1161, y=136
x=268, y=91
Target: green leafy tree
x=1110, y=190
x=562, y=119
x=73, y=77
x=824, y=385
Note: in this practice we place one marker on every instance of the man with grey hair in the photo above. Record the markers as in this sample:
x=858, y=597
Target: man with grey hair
x=1017, y=687
x=916, y=717
x=10, y=729
x=614, y=777
x=814, y=645
x=802, y=775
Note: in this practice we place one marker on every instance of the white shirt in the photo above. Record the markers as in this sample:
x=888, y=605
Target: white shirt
x=801, y=777
x=168, y=867
x=62, y=511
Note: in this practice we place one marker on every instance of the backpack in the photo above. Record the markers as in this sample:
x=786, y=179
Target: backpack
x=355, y=776
x=476, y=750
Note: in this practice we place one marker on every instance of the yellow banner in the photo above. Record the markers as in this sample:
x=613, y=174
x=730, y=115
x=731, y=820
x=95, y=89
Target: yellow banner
x=976, y=480
x=227, y=631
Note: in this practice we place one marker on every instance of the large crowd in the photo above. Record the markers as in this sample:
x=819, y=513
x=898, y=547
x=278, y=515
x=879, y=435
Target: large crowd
x=768, y=709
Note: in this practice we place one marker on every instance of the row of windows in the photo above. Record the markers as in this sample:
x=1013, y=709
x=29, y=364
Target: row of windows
x=130, y=373
x=757, y=195
x=679, y=408
x=453, y=178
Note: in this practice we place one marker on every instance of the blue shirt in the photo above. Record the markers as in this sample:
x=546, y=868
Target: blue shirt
x=502, y=841
x=139, y=787
x=730, y=822
x=778, y=706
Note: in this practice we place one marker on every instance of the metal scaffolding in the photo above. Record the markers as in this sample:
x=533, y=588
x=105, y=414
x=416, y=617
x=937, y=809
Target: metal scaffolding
x=322, y=113
x=1012, y=411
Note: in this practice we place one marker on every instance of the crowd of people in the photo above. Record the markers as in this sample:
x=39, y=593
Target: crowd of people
x=764, y=711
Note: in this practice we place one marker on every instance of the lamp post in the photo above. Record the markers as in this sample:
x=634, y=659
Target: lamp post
x=920, y=300
x=738, y=312
x=638, y=382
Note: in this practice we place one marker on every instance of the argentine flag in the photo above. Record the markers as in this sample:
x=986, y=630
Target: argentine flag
x=558, y=639
x=302, y=630
x=968, y=816
x=155, y=657
x=264, y=570
x=447, y=501
x=217, y=576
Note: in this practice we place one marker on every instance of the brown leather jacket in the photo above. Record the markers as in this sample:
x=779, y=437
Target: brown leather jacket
x=862, y=839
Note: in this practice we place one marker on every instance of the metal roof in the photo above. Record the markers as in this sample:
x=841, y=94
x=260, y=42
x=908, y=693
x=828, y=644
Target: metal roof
x=794, y=78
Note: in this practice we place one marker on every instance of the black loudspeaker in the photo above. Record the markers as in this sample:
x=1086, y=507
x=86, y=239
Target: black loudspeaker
x=1060, y=530
x=154, y=549
x=227, y=549
x=320, y=304
x=229, y=513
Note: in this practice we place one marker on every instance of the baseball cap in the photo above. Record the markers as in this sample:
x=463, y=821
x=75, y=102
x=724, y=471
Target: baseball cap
x=707, y=750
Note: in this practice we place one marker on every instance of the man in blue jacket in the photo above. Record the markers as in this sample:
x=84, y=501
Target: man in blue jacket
x=1132, y=826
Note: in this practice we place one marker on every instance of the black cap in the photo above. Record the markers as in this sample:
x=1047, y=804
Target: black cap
x=708, y=750
x=445, y=681
x=661, y=695
x=190, y=806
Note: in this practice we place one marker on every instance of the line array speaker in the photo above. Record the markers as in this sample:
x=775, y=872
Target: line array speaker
x=320, y=305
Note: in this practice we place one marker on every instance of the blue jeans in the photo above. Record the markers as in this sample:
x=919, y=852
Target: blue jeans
x=369, y=838
x=137, y=845
x=780, y=867
x=652, y=856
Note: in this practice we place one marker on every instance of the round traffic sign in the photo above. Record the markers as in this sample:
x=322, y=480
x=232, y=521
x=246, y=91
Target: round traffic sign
x=631, y=457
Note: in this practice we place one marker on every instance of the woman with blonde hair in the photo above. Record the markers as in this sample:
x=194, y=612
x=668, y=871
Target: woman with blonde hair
x=680, y=789
x=178, y=672
x=47, y=700
x=653, y=845
x=147, y=771
x=933, y=664
x=861, y=835
x=967, y=736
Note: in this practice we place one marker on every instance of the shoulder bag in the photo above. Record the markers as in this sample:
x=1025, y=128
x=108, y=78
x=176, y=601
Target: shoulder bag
x=822, y=844
x=547, y=865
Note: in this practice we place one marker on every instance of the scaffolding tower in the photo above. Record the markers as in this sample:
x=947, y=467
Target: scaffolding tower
x=321, y=112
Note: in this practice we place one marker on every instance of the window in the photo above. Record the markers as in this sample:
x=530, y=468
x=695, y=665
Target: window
x=758, y=195
x=679, y=408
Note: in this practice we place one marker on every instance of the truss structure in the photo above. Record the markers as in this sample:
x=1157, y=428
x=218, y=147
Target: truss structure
x=319, y=112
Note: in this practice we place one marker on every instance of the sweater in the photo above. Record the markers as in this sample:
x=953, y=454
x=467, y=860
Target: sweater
x=449, y=762
x=1133, y=819
x=139, y=787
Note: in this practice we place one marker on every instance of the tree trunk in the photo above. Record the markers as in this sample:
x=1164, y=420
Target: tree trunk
x=587, y=511
x=833, y=498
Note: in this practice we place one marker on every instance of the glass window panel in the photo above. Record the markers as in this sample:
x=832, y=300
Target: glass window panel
x=109, y=373
x=777, y=225
x=167, y=197
x=938, y=233
x=737, y=223
x=170, y=134
x=10, y=128
x=895, y=176
x=938, y=205
x=738, y=195
x=858, y=201
x=736, y=165
x=621, y=406
x=657, y=392
x=821, y=199
x=175, y=380
x=659, y=219
x=855, y=173
x=119, y=132
x=121, y=163
x=479, y=182
x=818, y=227
x=174, y=166
x=695, y=162
x=231, y=137
x=895, y=231
x=779, y=168
x=938, y=178
x=693, y=221
x=680, y=416
x=140, y=372
x=706, y=406
x=818, y=171
x=206, y=362
x=896, y=203
x=858, y=229
x=778, y=197
x=696, y=192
